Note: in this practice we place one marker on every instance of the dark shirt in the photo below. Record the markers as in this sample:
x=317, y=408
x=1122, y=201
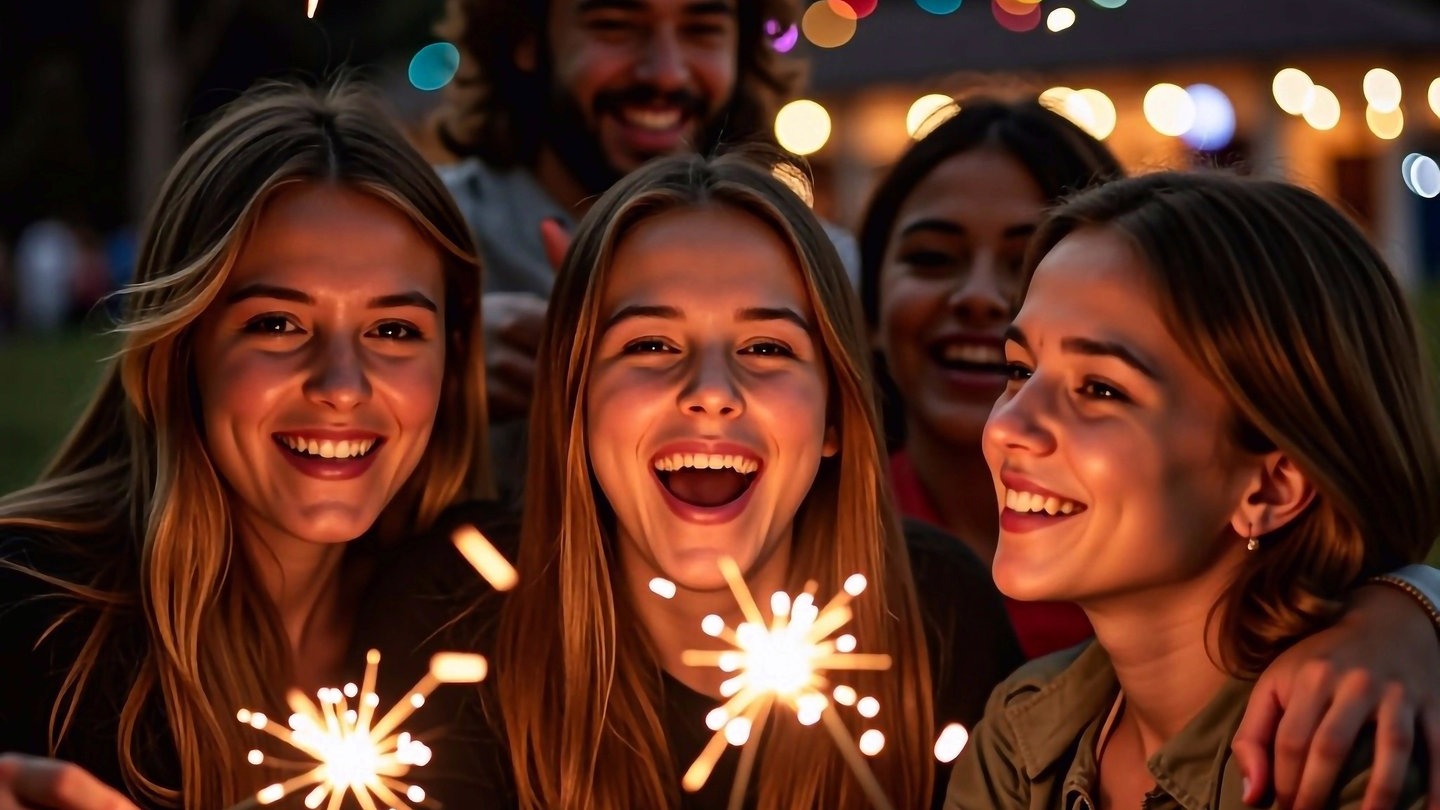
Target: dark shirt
x=972, y=648
x=33, y=665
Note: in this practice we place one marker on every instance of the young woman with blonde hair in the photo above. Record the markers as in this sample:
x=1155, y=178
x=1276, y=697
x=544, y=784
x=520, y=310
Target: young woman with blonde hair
x=1219, y=422
x=299, y=369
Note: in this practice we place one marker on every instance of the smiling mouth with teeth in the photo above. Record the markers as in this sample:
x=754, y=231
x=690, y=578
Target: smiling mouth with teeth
x=706, y=479
x=970, y=357
x=659, y=120
x=1034, y=502
x=342, y=450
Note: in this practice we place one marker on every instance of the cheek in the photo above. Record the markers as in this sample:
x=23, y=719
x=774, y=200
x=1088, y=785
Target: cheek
x=716, y=73
x=414, y=388
x=238, y=390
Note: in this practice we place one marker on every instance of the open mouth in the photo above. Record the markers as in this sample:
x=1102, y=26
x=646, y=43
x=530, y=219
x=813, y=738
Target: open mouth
x=311, y=448
x=653, y=119
x=706, y=480
x=1038, y=503
x=975, y=357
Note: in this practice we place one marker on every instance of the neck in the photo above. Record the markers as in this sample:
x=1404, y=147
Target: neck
x=960, y=477
x=560, y=183
x=674, y=625
x=1162, y=645
x=306, y=583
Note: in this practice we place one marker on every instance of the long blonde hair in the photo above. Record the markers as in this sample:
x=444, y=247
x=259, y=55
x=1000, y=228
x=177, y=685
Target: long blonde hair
x=1285, y=305
x=133, y=496
x=580, y=690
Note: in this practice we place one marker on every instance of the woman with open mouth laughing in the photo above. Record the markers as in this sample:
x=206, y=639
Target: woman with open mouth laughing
x=297, y=389
x=1218, y=423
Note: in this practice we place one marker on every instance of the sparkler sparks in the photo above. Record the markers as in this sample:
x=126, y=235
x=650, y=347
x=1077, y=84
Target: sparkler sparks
x=485, y=558
x=785, y=662
x=349, y=752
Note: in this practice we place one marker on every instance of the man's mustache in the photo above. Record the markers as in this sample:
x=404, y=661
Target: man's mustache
x=640, y=95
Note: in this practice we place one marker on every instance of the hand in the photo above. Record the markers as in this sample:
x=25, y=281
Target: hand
x=513, y=324
x=36, y=783
x=1313, y=701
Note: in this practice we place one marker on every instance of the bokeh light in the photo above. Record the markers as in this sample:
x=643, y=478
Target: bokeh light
x=928, y=112
x=1169, y=109
x=1435, y=96
x=1385, y=124
x=434, y=65
x=828, y=26
x=1089, y=109
x=1293, y=90
x=1060, y=19
x=1324, y=112
x=1054, y=98
x=1214, y=125
x=1422, y=175
x=783, y=41
x=1019, y=23
x=938, y=6
x=861, y=8
x=802, y=126
x=1108, y=3
x=1382, y=90
x=951, y=742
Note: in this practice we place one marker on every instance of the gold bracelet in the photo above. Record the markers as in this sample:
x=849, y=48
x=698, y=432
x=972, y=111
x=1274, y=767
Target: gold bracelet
x=1425, y=604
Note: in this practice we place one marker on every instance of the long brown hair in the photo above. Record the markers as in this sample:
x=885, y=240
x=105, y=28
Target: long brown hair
x=581, y=697
x=133, y=496
x=1285, y=305
x=497, y=111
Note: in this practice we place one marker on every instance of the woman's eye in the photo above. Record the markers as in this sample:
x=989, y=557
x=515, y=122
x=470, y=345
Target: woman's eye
x=927, y=258
x=271, y=325
x=1094, y=389
x=768, y=348
x=392, y=330
x=1017, y=372
x=646, y=346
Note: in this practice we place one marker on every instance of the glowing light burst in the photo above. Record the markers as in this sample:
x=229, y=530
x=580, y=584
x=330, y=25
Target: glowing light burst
x=485, y=558
x=310, y=8
x=784, y=662
x=350, y=751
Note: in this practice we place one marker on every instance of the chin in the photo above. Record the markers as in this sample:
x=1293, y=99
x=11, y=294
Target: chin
x=1021, y=581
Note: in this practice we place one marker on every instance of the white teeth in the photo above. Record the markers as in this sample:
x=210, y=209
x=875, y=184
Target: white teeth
x=706, y=461
x=652, y=119
x=972, y=353
x=329, y=449
x=1035, y=502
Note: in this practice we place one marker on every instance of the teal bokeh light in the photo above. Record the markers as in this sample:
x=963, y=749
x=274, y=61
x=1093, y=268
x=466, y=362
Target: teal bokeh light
x=434, y=65
x=938, y=6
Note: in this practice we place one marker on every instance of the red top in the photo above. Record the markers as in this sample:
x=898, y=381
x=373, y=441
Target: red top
x=1042, y=627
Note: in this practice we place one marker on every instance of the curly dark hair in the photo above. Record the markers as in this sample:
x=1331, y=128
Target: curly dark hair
x=495, y=110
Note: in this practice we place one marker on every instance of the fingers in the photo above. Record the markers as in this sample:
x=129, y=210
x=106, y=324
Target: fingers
x=1254, y=738
x=1315, y=685
x=1430, y=723
x=36, y=782
x=1394, y=742
x=557, y=241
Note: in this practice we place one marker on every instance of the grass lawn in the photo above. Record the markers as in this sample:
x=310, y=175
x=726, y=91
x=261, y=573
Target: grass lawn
x=49, y=380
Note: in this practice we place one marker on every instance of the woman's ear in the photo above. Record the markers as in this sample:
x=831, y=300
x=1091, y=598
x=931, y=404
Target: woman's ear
x=1278, y=494
x=832, y=442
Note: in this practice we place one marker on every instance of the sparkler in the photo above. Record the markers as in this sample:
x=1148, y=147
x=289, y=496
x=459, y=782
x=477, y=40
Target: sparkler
x=485, y=558
x=785, y=662
x=350, y=753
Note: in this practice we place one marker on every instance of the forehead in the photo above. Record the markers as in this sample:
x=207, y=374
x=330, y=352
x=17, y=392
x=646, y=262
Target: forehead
x=711, y=257
x=981, y=182
x=1094, y=282
x=327, y=233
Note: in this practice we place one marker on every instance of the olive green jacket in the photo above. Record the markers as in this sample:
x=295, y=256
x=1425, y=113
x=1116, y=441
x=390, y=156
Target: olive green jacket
x=1035, y=749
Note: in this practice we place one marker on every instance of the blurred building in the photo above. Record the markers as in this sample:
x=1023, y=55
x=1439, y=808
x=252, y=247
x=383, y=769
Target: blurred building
x=899, y=52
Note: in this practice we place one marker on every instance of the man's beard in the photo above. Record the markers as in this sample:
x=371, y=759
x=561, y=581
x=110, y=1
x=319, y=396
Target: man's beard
x=576, y=141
